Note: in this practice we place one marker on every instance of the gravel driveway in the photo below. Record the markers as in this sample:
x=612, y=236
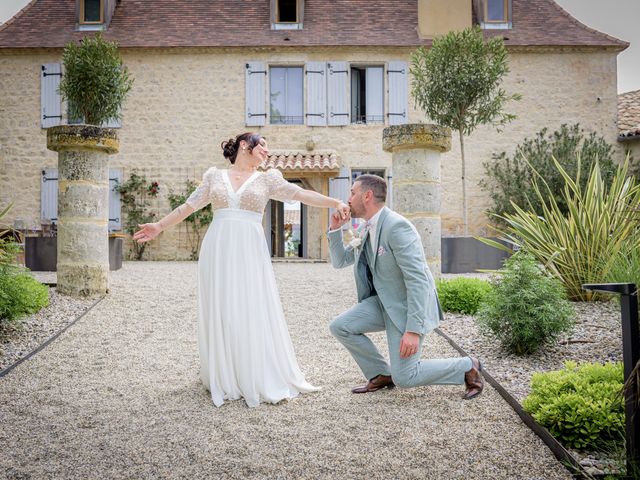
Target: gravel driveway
x=118, y=396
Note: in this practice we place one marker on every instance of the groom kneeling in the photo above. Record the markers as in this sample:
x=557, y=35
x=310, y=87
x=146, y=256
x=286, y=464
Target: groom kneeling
x=396, y=293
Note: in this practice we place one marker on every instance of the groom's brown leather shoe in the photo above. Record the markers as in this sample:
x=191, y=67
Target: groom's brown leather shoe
x=473, y=380
x=376, y=383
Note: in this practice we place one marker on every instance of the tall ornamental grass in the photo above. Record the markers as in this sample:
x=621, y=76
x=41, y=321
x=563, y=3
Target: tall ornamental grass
x=581, y=245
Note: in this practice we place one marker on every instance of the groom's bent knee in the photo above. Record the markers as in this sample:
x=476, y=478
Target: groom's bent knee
x=404, y=378
x=337, y=327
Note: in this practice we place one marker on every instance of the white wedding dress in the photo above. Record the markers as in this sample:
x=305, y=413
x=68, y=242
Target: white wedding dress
x=245, y=348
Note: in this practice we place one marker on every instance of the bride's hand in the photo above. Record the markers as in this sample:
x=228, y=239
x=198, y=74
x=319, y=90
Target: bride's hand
x=345, y=211
x=147, y=232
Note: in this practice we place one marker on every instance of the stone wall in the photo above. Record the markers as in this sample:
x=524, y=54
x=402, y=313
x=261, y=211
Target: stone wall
x=184, y=102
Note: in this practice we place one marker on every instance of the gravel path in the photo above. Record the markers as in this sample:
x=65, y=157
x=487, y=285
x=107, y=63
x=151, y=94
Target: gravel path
x=118, y=396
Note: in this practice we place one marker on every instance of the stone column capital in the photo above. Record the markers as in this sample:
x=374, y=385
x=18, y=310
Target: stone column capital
x=416, y=135
x=83, y=137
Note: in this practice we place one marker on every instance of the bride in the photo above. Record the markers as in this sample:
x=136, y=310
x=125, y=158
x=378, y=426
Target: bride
x=244, y=344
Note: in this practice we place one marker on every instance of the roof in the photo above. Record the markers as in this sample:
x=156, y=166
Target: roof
x=217, y=23
x=290, y=161
x=629, y=115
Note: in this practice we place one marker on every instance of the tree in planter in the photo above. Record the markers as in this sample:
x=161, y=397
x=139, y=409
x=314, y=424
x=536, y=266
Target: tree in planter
x=134, y=194
x=95, y=82
x=509, y=179
x=95, y=85
x=194, y=223
x=457, y=84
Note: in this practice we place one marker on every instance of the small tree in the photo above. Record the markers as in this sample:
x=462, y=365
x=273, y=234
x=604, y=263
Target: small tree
x=457, y=84
x=95, y=81
x=134, y=194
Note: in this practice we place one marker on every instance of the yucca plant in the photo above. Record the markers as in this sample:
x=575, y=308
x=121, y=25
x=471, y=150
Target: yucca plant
x=579, y=246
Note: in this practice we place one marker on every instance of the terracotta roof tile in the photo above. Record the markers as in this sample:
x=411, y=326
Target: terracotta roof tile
x=287, y=161
x=216, y=23
x=629, y=113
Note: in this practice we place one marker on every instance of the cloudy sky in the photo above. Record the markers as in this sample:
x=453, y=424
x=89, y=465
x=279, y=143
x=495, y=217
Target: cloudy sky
x=615, y=17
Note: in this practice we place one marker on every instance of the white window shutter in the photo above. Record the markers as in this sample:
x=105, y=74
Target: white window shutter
x=340, y=187
x=375, y=95
x=50, y=101
x=398, y=92
x=115, y=213
x=255, y=88
x=316, y=73
x=49, y=194
x=390, y=188
x=337, y=88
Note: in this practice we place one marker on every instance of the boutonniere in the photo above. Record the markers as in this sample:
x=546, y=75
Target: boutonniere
x=381, y=250
x=356, y=241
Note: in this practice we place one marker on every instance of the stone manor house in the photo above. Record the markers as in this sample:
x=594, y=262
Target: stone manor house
x=320, y=80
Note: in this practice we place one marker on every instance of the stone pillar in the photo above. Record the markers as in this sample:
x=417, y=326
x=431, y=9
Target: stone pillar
x=83, y=206
x=416, y=150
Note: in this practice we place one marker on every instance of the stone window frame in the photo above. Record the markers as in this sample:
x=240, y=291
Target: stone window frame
x=385, y=86
x=277, y=24
x=81, y=19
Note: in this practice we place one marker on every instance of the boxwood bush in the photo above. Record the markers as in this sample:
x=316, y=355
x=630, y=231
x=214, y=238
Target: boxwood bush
x=20, y=294
x=462, y=295
x=582, y=406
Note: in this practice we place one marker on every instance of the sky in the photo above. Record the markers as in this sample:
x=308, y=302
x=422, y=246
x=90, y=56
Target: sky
x=615, y=17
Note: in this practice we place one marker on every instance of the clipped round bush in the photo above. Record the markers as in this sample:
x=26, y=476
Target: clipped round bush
x=20, y=294
x=462, y=295
x=582, y=406
x=526, y=308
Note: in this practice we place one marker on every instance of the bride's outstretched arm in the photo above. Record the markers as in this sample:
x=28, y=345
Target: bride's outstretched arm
x=315, y=199
x=149, y=231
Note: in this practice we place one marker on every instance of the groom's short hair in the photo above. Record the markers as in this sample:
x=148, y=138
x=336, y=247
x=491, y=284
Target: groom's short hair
x=376, y=184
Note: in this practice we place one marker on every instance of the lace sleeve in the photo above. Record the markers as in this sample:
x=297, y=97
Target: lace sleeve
x=279, y=188
x=201, y=196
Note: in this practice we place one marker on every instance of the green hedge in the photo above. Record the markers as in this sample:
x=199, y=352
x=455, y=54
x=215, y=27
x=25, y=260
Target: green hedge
x=462, y=295
x=20, y=294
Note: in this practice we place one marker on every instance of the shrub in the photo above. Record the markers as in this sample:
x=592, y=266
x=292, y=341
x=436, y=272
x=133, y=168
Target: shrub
x=20, y=294
x=509, y=180
x=582, y=405
x=462, y=295
x=526, y=308
x=194, y=223
x=95, y=81
x=581, y=245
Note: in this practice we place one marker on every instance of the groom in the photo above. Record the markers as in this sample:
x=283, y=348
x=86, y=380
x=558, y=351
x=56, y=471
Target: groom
x=396, y=293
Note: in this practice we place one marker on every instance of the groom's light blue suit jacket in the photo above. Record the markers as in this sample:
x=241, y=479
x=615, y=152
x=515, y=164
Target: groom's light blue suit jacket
x=399, y=273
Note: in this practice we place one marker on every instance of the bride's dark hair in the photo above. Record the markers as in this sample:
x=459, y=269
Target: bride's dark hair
x=231, y=146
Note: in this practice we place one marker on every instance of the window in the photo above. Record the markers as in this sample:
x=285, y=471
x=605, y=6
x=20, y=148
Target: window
x=496, y=11
x=494, y=14
x=287, y=11
x=91, y=11
x=286, y=95
x=367, y=95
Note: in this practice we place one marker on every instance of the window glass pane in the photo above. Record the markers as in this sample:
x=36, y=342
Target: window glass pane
x=286, y=95
x=91, y=10
x=495, y=11
x=287, y=11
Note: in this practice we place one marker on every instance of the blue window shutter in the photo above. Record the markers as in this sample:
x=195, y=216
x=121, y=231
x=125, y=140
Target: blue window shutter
x=256, y=103
x=316, y=93
x=375, y=95
x=337, y=96
x=115, y=213
x=398, y=92
x=340, y=188
x=49, y=194
x=50, y=101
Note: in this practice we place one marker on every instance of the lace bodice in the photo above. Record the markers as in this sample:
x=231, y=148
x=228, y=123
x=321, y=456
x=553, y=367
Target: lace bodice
x=252, y=195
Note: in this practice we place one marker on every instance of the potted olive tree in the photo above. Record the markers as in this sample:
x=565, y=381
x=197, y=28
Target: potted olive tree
x=95, y=85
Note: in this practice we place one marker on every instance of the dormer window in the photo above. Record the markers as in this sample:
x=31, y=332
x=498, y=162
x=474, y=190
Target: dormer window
x=91, y=12
x=287, y=14
x=494, y=14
